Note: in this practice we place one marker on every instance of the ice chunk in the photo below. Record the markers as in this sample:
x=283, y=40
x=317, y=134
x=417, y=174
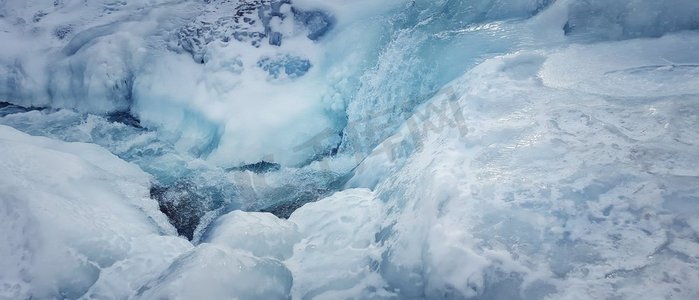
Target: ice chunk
x=261, y=234
x=147, y=257
x=213, y=272
x=337, y=256
x=71, y=211
x=75, y=55
x=96, y=79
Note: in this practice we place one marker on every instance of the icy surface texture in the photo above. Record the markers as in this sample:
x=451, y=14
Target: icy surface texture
x=522, y=180
x=135, y=57
x=75, y=229
x=490, y=149
x=343, y=225
x=192, y=192
x=74, y=53
x=598, y=19
x=211, y=272
x=424, y=44
x=261, y=234
x=76, y=221
x=246, y=97
x=250, y=21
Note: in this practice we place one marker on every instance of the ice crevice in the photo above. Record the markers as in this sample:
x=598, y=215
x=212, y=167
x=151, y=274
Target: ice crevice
x=307, y=149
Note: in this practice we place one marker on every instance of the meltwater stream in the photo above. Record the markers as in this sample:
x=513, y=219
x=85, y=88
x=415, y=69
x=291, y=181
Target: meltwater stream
x=406, y=149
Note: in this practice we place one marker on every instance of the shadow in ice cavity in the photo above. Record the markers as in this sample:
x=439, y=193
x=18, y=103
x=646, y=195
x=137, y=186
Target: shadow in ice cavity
x=318, y=23
x=183, y=205
x=10, y=109
x=290, y=198
x=260, y=167
x=284, y=209
x=125, y=118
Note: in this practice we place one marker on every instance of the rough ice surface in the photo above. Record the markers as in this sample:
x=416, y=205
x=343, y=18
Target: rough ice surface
x=308, y=149
x=132, y=57
x=261, y=234
x=573, y=190
x=211, y=272
x=343, y=225
x=76, y=221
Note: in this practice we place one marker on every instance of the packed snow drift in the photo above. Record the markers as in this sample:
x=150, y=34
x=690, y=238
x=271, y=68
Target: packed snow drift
x=307, y=149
